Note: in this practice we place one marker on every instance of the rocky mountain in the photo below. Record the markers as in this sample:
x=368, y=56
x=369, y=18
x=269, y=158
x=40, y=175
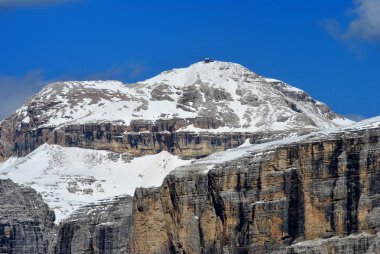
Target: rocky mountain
x=316, y=193
x=211, y=158
x=190, y=112
x=204, y=98
x=235, y=98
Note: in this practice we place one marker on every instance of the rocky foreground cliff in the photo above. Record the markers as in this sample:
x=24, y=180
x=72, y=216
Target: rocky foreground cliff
x=26, y=222
x=320, y=195
x=316, y=194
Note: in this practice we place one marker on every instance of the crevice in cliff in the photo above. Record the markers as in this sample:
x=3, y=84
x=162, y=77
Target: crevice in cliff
x=217, y=200
x=353, y=192
x=296, y=209
x=171, y=142
x=219, y=208
x=173, y=195
x=243, y=225
x=66, y=231
x=243, y=212
x=333, y=171
x=317, y=159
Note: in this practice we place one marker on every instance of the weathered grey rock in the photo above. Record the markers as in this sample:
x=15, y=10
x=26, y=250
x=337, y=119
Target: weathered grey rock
x=99, y=228
x=26, y=222
x=161, y=93
x=353, y=244
x=140, y=138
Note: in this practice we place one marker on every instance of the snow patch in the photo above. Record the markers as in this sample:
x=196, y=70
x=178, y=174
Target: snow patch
x=70, y=177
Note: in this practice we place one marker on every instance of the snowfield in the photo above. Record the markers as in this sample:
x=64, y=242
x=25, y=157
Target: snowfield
x=69, y=177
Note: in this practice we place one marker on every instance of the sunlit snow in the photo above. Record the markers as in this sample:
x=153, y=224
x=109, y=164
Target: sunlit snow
x=70, y=177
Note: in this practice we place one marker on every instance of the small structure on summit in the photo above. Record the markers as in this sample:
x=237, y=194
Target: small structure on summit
x=207, y=60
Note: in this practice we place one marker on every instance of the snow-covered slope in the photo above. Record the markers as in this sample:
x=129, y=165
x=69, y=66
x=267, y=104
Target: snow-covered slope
x=227, y=92
x=70, y=177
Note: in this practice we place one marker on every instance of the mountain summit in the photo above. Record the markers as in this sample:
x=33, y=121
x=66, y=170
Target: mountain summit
x=215, y=96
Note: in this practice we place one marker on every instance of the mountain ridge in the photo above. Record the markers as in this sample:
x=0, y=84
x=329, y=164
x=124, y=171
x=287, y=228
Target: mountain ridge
x=235, y=97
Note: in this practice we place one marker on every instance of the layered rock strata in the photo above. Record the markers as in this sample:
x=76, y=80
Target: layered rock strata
x=269, y=202
x=98, y=228
x=26, y=222
x=141, y=138
x=320, y=195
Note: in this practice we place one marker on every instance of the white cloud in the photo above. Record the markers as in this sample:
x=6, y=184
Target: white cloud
x=365, y=24
x=355, y=117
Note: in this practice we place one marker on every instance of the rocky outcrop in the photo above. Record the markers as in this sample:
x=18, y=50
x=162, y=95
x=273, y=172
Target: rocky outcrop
x=26, y=222
x=361, y=243
x=140, y=138
x=271, y=202
x=98, y=228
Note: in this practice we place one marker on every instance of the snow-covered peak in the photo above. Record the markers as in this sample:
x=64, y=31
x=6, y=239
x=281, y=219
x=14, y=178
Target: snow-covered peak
x=232, y=96
x=214, y=73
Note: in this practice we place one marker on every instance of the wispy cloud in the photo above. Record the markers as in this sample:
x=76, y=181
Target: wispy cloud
x=15, y=90
x=127, y=72
x=135, y=70
x=355, y=117
x=364, y=25
x=31, y=3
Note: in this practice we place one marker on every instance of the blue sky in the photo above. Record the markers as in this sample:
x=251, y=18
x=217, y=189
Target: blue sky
x=331, y=49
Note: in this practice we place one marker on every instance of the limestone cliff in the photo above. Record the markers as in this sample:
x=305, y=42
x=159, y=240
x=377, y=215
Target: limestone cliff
x=317, y=195
x=99, y=228
x=26, y=222
x=271, y=202
x=139, y=139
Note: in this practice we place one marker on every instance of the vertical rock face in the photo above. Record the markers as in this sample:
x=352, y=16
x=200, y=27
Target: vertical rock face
x=100, y=228
x=269, y=203
x=26, y=223
x=147, y=138
x=320, y=195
